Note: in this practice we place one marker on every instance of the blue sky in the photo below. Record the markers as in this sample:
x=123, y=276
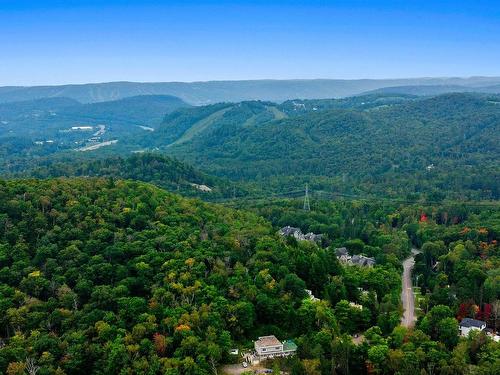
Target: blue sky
x=56, y=42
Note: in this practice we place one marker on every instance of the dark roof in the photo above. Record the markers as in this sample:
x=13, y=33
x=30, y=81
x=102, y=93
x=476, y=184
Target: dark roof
x=468, y=322
x=362, y=260
x=288, y=230
x=313, y=237
x=341, y=251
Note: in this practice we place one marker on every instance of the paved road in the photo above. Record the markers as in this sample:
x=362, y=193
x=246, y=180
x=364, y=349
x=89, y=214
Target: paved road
x=407, y=296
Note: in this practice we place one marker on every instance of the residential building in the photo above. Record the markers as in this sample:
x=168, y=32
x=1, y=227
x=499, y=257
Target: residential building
x=363, y=261
x=468, y=324
x=296, y=233
x=341, y=251
x=289, y=348
x=267, y=346
x=270, y=346
x=289, y=231
x=359, y=260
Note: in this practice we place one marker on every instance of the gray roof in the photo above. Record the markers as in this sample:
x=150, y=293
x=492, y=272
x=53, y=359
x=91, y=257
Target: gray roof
x=288, y=230
x=468, y=322
x=362, y=260
x=313, y=237
x=341, y=251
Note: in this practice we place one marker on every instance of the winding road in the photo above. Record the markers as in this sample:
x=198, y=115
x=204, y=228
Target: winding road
x=407, y=296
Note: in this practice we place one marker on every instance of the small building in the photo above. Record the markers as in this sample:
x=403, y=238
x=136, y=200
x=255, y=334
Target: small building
x=313, y=237
x=289, y=231
x=296, y=233
x=468, y=324
x=267, y=346
x=359, y=260
x=363, y=261
x=341, y=251
x=270, y=346
x=289, y=347
x=82, y=128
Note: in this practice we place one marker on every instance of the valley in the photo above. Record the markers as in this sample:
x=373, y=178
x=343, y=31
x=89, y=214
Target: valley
x=174, y=256
x=249, y=187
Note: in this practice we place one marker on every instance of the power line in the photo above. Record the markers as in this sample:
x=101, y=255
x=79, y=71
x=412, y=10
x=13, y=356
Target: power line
x=307, y=206
x=331, y=196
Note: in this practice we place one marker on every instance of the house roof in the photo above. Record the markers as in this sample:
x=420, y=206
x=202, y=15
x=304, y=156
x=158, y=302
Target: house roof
x=289, y=345
x=468, y=322
x=288, y=230
x=264, y=341
x=341, y=251
x=362, y=260
x=313, y=237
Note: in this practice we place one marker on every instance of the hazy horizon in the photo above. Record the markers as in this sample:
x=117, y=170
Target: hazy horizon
x=266, y=79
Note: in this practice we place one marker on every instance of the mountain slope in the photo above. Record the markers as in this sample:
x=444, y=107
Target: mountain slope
x=44, y=126
x=97, y=266
x=434, y=89
x=162, y=171
x=141, y=110
x=200, y=93
x=454, y=134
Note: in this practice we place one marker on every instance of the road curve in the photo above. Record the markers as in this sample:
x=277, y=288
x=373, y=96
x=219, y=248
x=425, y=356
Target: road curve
x=407, y=296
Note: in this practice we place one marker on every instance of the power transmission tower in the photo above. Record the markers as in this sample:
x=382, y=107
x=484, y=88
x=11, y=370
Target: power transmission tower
x=307, y=207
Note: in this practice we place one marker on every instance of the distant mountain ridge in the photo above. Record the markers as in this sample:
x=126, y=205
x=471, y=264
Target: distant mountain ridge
x=199, y=93
x=427, y=90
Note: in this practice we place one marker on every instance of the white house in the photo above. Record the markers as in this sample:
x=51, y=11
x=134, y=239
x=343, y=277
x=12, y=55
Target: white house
x=267, y=346
x=468, y=324
x=270, y=346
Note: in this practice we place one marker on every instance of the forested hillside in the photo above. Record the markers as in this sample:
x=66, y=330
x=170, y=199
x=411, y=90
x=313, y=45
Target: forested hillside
x=438, y=147
x=379, y=145
x=162, y=171
x=41, y=128
x=102, y=276
x=37, y=119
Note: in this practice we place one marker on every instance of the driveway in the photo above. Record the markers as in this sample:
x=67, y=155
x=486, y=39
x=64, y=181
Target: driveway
x=238, y=369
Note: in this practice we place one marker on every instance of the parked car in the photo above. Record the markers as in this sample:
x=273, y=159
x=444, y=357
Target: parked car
x=244, y=364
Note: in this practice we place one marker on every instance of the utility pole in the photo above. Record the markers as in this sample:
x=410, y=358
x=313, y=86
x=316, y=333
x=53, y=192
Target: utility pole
x=307, y=207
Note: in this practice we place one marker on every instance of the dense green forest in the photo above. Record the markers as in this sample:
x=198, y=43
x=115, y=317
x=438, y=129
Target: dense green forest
x=379, y=145
x=160, y=170
x=110, y=276
x=439, y=147
x=114, y=260
x=50, y=126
